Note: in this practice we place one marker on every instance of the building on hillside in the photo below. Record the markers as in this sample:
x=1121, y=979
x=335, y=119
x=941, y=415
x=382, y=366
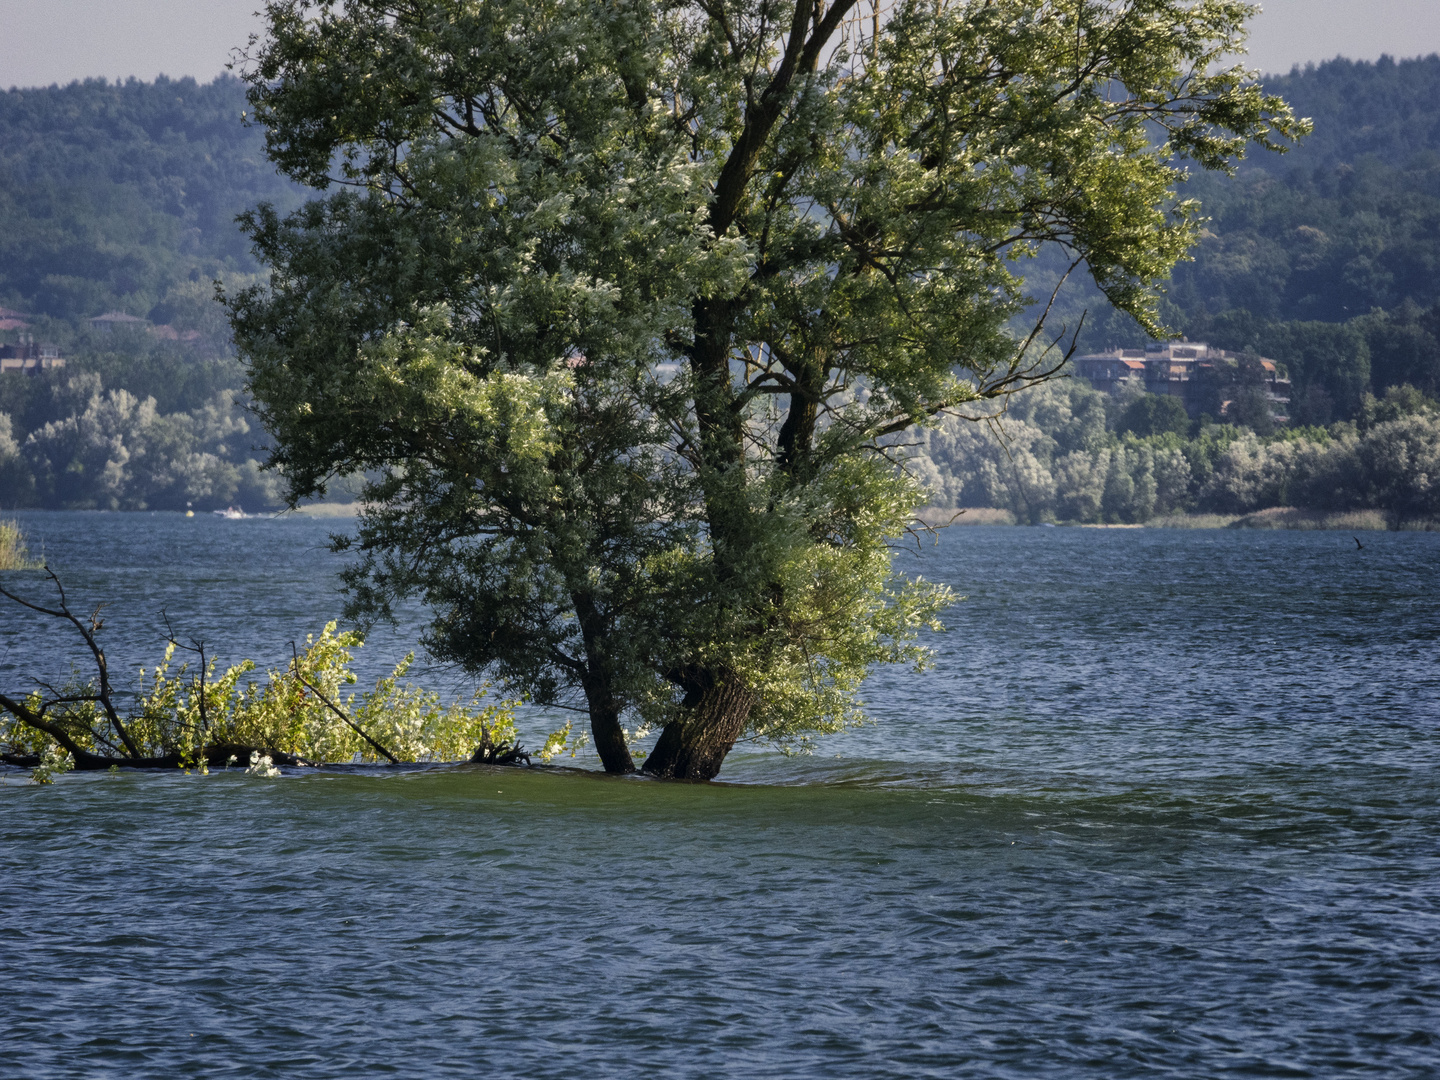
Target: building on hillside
x=13, y=320
x=116, y=320
x=27, y=356
x=1113, y=371
x=1178, y=369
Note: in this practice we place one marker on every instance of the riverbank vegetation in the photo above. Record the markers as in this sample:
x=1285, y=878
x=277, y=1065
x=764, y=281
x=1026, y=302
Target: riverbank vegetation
x=1066, y=453
x=109, y=449
x=14, y=555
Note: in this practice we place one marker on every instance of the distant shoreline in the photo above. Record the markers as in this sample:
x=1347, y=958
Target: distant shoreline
x=326, y=510
x=1279, y=517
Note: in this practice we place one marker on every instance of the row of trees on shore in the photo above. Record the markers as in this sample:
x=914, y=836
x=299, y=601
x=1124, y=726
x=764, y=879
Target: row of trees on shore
x=110, y=449
x=1061, y=452
x=1064, y=452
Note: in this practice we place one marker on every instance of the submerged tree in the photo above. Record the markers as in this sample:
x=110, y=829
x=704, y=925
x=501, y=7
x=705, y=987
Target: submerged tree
x=624, y=305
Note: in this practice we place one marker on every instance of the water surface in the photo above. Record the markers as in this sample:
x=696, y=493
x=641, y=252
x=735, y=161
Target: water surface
x=1167, y=806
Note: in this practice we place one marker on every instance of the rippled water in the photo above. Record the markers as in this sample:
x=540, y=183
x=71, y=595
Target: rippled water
x=1167, y=806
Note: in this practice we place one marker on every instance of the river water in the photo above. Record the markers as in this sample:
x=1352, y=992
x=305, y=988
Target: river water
x=1166, y=806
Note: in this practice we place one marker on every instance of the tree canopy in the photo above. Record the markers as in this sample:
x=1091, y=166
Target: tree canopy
x=625, y=305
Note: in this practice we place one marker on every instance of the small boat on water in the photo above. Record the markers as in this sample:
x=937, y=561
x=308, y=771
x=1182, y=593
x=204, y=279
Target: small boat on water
x=231, y=513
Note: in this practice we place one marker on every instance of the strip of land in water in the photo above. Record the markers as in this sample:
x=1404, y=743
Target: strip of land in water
x=1277, y=517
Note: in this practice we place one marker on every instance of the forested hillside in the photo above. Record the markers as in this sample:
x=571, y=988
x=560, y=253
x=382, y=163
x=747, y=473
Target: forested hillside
x=112, y=194
x=122, y=197
x=1326, y=258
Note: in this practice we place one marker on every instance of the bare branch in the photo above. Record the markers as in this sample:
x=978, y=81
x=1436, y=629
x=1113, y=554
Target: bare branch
x=88, y=633
x=337, y=710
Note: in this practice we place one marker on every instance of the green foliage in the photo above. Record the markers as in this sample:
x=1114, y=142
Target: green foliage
x=1345, y=224
x=1318, y=245
x=1399, y=401
x=1383, y=109
x=837, y=608
x=624, y=307
x=1205, y=449
x=120, y=195
x=13, y=553
x=1153, y=414
x=178, y=376
x=123, y=196
x=1328, y=363
x=186, y=711
x=1052, y=458
x=1326, y=259
x=288, y=712
x=53, y=762
x=112, y=450
x=16, y=482
x=1385, y=461
x=1404, y=347
x=174, y=376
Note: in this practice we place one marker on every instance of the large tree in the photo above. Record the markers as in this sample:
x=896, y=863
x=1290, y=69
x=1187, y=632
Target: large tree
x=625, y=306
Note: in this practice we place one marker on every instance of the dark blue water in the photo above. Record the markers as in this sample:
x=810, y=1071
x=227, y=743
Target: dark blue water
x=1167, y=806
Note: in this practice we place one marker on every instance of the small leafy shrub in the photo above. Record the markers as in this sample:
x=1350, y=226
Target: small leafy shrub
x=288, y=712
x=301, y=711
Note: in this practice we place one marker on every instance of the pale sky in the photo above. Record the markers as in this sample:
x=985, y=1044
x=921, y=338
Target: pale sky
x=47, y=41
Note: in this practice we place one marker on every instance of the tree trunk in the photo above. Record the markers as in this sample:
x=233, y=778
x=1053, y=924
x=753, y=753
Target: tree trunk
x=694, y=747
x=598, y=680
x=605, y=729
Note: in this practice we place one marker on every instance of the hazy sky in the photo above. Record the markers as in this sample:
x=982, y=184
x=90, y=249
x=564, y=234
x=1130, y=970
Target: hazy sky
x=45, y=41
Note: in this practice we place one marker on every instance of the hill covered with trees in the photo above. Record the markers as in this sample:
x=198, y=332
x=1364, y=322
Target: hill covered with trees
x=122, y=197
x=112, y=195
x=1326, y=258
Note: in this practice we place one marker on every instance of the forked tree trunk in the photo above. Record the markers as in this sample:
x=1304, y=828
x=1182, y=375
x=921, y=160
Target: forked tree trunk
x=694, y=746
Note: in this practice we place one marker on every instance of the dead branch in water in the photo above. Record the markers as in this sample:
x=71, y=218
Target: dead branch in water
x=68, y=715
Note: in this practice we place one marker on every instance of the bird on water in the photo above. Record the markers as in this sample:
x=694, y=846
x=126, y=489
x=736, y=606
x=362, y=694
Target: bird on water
x=1358, y=546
